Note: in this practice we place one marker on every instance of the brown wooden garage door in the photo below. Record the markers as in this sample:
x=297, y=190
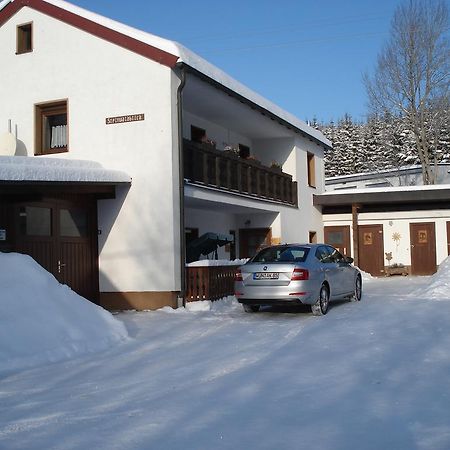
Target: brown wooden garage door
x=338, y=237
x=448, y=238
x=61, y=235
x=423, y=248
x=371, y=249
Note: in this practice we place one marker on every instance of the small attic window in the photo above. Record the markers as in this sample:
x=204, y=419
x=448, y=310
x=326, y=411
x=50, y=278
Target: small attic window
x=24, y=38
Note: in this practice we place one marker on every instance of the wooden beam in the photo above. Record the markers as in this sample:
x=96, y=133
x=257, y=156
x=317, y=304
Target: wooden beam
x=355, y=211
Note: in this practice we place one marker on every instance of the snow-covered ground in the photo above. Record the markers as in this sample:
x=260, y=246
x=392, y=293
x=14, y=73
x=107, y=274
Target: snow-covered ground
x=368, y=375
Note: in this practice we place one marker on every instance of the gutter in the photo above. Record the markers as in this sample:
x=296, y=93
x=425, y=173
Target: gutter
x=4, y=3
x=182, y=295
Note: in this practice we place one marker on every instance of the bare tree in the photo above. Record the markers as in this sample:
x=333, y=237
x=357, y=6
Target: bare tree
x=411, y=77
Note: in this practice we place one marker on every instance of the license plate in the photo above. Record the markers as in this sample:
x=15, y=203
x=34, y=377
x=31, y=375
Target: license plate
x=265, y=276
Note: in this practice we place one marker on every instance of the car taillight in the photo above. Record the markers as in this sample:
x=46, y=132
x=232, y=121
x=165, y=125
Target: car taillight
x=299, y=274
x=238, y=275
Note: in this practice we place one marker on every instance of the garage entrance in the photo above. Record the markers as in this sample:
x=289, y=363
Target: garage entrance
x=371, y=249
x=423, y=248
x=61, y=235
x=338, y=237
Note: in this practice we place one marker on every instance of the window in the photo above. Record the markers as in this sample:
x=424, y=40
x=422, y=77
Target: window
x=311, y=170
x=281, y=254
x=244, y=151
x=73, y=223
x=312, y=237
x=51, y=128
x=24, y=38
x=198, y=134
x=35, y=221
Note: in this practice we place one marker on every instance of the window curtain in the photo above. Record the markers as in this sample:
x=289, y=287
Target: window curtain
x=59, y=136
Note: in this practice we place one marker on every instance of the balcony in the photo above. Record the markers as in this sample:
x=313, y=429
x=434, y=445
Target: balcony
x=207, y=166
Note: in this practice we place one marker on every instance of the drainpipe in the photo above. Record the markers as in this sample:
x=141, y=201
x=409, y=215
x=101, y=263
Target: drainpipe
x=181, y=185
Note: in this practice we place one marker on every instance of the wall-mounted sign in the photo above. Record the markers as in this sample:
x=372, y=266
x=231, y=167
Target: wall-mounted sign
x=2, y=235
x=125, y=119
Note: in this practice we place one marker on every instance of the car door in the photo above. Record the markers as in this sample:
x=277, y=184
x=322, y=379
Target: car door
x=329, y=268
x=345, y=272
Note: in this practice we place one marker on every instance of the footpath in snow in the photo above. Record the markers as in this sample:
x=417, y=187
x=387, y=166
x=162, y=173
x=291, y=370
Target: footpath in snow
x=368, y=375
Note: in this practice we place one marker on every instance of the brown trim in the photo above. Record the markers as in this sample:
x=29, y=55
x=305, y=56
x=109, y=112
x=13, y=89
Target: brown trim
x=137, y=300
x=311, y=167
x=115, y=37
x=45, y=110
x=20, y=44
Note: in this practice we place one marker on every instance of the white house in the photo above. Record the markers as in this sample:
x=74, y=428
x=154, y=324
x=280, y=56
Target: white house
x=118, y=144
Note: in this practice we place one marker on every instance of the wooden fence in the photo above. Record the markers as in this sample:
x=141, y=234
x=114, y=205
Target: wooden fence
x=209, y=283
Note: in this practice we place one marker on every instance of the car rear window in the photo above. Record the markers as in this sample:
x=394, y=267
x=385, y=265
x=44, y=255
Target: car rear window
x=281, y=254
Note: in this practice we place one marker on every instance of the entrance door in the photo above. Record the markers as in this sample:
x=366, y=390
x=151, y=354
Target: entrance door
x=423, y=248
x=371, y=249
x=251, y=240
x=62, y=237
x=448, y=238
x=339, y=238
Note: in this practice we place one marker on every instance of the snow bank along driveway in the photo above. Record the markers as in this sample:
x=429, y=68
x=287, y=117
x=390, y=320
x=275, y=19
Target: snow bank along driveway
x=368, y=375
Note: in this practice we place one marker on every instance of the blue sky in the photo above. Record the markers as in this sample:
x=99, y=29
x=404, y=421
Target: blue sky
x=306, y=56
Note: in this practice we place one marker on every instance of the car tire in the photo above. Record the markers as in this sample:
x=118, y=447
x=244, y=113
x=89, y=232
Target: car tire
x=251, y=308
x=357, y=294
x=320, y=308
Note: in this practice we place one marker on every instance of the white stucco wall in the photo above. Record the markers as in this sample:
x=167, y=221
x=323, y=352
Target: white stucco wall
x=398, y=223
x=139, y=244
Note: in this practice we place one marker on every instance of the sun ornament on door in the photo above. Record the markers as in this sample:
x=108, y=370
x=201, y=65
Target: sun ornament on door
x=368, y=239
x=422, y=237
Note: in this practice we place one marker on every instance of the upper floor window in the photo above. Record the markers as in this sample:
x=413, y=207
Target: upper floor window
x=311, y=170
x=51, y=128
x=24, y=38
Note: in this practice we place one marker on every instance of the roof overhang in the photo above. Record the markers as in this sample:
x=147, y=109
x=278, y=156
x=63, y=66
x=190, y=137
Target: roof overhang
x=23, y=174
x=406, y=197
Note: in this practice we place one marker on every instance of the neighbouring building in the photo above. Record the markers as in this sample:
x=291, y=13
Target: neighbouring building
x=118, y=146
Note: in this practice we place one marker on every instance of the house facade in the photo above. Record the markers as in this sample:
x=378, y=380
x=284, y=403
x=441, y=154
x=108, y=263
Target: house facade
x=118, y=146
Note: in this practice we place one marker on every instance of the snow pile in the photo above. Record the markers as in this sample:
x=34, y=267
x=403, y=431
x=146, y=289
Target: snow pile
x=217, y=262
x=438, y=287
x=44, y=321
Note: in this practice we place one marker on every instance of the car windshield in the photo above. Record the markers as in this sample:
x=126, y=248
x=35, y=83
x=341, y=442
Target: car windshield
x=281, y=254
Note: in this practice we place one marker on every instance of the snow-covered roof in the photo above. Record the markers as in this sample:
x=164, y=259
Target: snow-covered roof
x=191, y=59
x=374, y=190
x=42, y=169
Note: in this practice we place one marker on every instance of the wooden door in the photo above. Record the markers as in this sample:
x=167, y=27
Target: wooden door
x=448, y=238
x=423, y=248
x=339, y=238
x=62, y=237
x=371, y=249
x=251, y=240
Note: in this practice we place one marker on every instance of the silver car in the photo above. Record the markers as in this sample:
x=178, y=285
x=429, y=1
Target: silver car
x=311, y=274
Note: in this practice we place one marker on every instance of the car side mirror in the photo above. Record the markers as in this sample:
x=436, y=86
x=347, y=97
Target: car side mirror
x=348, y=259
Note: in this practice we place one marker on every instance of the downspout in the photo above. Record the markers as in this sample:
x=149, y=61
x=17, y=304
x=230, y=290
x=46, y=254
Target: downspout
x=181, y=185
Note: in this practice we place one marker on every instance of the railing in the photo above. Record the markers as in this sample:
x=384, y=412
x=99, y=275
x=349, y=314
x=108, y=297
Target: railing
x=205, y=165
x=209, y=283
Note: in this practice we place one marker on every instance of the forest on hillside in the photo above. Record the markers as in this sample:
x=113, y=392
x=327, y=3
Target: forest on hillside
x=378, y=144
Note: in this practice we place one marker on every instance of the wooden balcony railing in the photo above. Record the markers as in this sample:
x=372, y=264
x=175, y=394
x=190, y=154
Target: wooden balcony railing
x=204, y=164
x=209, y=282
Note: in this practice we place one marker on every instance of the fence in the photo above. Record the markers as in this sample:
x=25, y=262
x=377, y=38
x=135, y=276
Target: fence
x=210, y=282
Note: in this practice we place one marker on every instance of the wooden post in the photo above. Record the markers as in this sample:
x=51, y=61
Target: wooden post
x=355, y=210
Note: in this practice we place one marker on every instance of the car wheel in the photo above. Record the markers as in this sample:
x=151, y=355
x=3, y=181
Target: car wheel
x=251, y=308
x=357, y=294
x=320, y=308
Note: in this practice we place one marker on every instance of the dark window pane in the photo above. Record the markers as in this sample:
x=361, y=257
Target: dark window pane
x=73, y=222
x=35, y=221
x=335, y=238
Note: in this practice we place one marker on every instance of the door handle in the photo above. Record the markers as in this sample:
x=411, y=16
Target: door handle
x=60, y=265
